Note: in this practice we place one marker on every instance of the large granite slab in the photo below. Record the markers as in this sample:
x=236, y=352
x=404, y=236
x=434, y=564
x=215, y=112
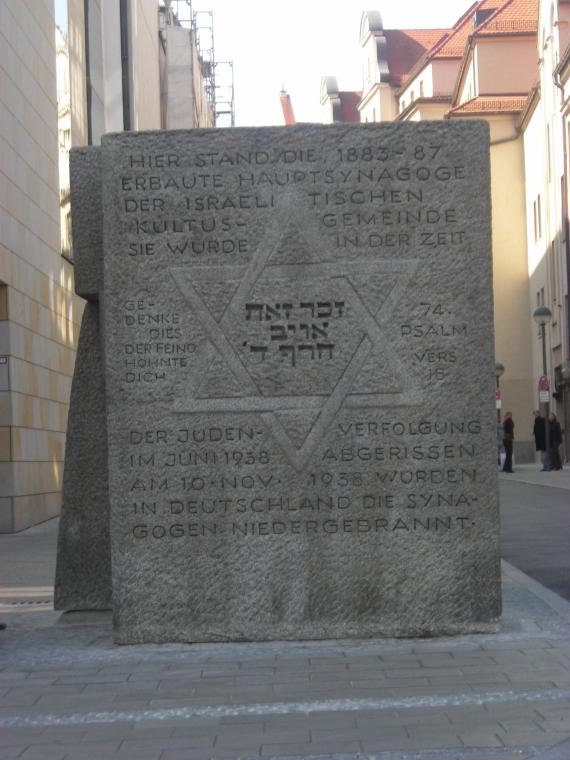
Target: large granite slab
x=87, y=220
x=83, y=574
x=300, y=382
x=83, y=570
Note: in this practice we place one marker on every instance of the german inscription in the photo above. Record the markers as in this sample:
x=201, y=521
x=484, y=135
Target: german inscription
x=299, y=370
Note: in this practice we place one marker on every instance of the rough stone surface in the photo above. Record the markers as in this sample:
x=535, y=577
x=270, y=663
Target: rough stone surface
x=87, y=220
x=300, y=375
x=83, y=574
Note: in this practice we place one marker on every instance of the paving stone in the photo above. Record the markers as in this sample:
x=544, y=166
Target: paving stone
x=526, y=738
x=361, y=732
x=11, y=737
x=425, y=742
x=480, y=738
x=188, y=754
x=240, y=731
x=172, y=742
x=97, y=732
x=20, y=698
x=513, y=725
x=423, y=718
x=95, y=678
x=164, y=703
x=62, y=733
x=313, y=720
x=105, y=747
x=11, y=753
x=553, y=710
x=44, y=752
x=312, y=748
x=90, y=752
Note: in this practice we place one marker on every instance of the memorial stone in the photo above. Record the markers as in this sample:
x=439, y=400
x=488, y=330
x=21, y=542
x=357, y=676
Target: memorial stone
x=299, y=378
x=83, y=571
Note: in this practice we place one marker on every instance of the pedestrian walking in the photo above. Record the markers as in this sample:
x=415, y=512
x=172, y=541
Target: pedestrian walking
x=554, y=441
x=499, y=441
x=539, y=433
x=508, y=440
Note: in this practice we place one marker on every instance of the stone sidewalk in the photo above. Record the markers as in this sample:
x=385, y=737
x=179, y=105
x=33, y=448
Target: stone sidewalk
x=531, y=474
x=67, y=692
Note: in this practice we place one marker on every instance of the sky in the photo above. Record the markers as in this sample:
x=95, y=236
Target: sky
x=293, y=44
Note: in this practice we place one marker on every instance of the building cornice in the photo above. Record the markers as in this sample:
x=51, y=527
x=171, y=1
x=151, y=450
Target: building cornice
x=462, y=69
x=413, y=106
x=562, y=70
x=530, y=107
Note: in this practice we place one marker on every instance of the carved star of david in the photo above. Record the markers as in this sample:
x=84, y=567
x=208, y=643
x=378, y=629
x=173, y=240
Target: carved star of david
x=342, y=395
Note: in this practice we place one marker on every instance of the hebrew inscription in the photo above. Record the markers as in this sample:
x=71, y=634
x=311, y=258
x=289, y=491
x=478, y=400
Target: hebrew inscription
x=299, y=368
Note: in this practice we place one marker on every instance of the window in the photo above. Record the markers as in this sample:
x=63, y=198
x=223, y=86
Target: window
x=537, y=208
x=548, y=154
x=554, y=275
x=3, y=301
x=421, y=89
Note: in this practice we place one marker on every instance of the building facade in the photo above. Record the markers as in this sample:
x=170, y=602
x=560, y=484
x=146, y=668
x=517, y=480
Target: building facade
x=39, y=311
x=99, y=72
x=487, y=67
x=545, y=128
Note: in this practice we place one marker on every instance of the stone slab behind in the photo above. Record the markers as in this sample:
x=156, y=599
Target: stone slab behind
x=83, y=574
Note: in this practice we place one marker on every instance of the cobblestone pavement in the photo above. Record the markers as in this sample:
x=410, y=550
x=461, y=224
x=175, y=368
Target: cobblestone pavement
x=66, y=692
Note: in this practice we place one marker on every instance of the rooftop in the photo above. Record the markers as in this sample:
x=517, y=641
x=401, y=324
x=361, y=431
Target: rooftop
x=513, y=17
x=491, y=104
x=405, y=47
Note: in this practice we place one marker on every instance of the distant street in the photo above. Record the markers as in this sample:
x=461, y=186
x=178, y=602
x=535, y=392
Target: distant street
x=536, y=531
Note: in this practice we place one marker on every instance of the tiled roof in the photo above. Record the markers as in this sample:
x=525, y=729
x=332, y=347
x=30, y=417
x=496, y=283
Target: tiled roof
x=514, y=16
x=487, y=104
x=406, y=46
x=506, y=17
x=454, y=45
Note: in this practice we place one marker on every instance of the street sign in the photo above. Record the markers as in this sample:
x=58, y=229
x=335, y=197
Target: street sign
x=498, y=403
x=498, y=394
x=543, y=397
x=543, y=383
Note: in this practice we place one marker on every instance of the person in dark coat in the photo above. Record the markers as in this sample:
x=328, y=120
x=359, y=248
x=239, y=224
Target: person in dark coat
x=554, y=441
x=539, y=433
x=508, y=439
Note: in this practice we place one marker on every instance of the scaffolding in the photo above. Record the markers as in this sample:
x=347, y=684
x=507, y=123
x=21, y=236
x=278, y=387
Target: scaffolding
x=218, y=76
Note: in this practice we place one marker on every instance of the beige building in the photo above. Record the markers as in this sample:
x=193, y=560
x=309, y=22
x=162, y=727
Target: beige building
x=100, y=71
x=545, y=127
x=40, y=313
